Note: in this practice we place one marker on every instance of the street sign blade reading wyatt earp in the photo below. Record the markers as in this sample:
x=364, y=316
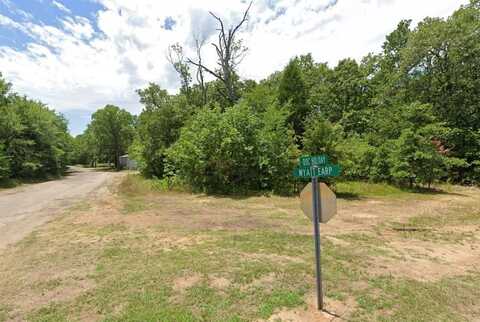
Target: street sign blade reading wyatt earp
x=323, y=171
x=322, y=205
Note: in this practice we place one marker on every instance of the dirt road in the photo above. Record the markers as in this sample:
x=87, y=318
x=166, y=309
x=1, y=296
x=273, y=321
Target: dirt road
x=26, y=207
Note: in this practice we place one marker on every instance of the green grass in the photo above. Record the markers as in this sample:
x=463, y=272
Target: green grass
x=50, y=313
x=4, y=312
x=360, y=189
x=392, y=299
x=135, y=184
x=459, y=217
x=133, y=204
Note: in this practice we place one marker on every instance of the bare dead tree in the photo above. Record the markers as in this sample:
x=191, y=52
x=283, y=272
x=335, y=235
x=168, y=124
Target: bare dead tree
x=230, y=52
x=199, y=42
x=177, y=59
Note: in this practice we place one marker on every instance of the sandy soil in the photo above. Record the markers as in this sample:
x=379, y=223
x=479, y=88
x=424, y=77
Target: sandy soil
x=29, y=206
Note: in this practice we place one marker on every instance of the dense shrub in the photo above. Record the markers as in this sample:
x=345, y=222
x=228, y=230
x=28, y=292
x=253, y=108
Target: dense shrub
x=236, y=150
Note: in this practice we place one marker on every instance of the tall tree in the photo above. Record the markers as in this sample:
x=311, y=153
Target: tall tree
x=159, y=126
x=292, y=91
x=113, y=129
x=230, y=52
x=441, y=67
x=34, y=140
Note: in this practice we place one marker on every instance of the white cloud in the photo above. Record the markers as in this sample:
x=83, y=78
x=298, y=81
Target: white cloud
x=9, y=23
x=61, y=6
x=76, y=67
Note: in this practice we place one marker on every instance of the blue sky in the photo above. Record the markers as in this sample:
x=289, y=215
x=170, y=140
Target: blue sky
x=79, y=55
x=45, y=12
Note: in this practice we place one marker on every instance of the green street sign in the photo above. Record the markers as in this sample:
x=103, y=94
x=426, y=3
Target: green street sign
x=315, y=160
x=323, y=171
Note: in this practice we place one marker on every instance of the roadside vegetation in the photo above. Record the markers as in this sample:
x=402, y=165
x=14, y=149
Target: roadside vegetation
x=34, y=140
x=146, y=253
x=406, y=116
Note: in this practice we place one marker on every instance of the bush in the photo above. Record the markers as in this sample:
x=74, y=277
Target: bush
x=4, y=164
x=415, y=159
x=322, y=137
x=355, y=156
x=235, y=151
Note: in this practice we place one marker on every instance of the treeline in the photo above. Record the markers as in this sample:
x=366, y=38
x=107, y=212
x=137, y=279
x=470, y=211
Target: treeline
x=106, y=138
x=409, y=115
x=34, y=140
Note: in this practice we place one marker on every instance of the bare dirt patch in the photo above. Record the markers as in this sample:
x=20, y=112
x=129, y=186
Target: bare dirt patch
x=187, y=281
x=219, y=282
x=334, y=311
x=428, y=261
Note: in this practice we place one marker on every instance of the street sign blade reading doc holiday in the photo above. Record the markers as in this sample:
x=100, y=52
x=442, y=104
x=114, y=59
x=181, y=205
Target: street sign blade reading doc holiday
x=316, y=160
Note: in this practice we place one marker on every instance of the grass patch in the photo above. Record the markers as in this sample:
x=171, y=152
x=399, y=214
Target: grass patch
x=441, y=226
x=54, y=312
x=80, y=206
x=136, y=184
x=132, y=205
x=48, y=285
x=360, y=189
x=392, y=299
x=4, y=312
x=280, y=298
x=366, y=244
x=462, y=217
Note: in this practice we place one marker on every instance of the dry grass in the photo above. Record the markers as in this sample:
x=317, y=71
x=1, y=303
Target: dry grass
x=144, y=254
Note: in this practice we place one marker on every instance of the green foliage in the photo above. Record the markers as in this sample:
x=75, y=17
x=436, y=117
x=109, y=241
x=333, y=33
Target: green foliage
x=158, y=127
x=356, y=157
x=34, y=140
x=4, y=164
x=277, y=151
x=415, y=158
x=322, y=137
x=292, y=91
x=85, y=149
x=113, y=130
x=441, y=61
x=407, y=115
x=237, y=150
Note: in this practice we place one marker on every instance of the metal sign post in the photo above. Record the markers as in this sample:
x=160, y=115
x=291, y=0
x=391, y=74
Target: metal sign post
x=316, y=225
x=314, y=167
